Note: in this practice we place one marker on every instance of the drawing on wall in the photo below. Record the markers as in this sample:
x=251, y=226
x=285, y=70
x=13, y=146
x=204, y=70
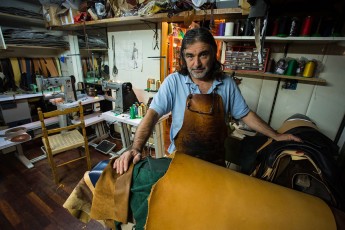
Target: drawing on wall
x=130, y=55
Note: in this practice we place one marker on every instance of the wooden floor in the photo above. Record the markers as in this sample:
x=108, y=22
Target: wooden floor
x=29, y=199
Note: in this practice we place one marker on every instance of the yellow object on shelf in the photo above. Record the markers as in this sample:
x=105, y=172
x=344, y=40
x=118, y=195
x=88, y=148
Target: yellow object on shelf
x=309, y=69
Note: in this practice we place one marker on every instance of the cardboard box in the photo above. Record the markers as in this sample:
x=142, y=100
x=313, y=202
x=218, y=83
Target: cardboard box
x=50, y=15
x=67, y=16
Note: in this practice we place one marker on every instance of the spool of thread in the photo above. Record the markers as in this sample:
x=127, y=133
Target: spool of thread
x=221, y=29
x=275, y=27
x=318, y=23
x=229, y=29
x=300, y=68
x=158, y=84
x=153, y=84
x=148, y=83
x=144, y=108
x=270, y=66
x=292, y=67
x=140, y=111
x=248, y=28
x=294, y=28
x=309, y=69
x=306, y=27
x=132, y=112
x=237, y=29
x=283, y=28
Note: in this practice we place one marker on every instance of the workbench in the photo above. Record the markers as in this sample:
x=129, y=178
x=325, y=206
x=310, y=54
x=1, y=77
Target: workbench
x=15, y=109
x=125, y=124
x=34, y=129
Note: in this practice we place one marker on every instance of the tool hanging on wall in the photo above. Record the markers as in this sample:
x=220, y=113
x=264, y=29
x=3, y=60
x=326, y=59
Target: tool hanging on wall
x=115, y=70
x=259, y=13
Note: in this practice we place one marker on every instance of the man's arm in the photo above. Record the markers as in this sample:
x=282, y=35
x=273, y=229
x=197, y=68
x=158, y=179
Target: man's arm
x=145, y=129
x=257, y=124
x=141, y=136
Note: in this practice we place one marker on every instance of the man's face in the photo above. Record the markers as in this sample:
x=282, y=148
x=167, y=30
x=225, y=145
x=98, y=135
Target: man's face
x=198, y=58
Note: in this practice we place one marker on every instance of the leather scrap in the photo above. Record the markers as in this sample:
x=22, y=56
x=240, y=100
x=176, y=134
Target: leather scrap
x=111, y=195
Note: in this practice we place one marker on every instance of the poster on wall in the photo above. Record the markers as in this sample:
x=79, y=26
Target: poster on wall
x=129, y=55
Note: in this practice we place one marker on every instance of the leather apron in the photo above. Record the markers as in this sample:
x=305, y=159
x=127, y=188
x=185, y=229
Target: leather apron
x=203, y=130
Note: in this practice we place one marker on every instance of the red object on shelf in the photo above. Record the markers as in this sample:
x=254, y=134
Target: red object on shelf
x=306, y=27
x=245, y=58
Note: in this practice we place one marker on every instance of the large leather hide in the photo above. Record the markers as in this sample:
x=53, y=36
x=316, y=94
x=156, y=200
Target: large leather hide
x=195, y=194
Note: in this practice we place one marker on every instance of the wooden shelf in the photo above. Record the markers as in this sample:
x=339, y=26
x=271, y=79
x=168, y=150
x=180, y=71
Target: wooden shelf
x=23, y=19
x=283, y=39
x=317, y=81
x=161, y=17
x=35, y=47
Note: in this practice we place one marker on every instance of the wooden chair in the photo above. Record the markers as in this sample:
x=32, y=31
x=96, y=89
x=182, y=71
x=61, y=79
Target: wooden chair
x=58, y=140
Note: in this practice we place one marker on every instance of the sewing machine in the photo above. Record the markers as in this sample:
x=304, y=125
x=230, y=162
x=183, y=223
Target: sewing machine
x=64, y=82
x=125, y=96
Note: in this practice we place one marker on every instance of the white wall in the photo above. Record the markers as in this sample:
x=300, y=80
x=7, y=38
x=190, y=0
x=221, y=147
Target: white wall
x=325, y=105
x=147, y=68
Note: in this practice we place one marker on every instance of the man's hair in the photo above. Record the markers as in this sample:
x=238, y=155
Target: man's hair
x=200, y=35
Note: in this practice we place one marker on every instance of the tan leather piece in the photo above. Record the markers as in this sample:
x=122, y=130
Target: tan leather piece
x=287, y=125
x=111, y=195
x=195, y=194
x=88, y=182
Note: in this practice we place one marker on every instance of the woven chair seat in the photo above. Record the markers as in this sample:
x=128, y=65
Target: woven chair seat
x=65, y=141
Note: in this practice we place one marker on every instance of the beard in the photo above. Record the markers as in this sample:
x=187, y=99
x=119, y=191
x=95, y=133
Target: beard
x=198, y=73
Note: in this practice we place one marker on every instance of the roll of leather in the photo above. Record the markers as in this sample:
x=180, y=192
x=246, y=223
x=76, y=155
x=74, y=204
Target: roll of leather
x=195, y=194
x=16, y=70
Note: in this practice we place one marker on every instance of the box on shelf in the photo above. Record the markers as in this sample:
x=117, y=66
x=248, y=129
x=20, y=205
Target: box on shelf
x=50, y=15
x=245, y=58
x=67, y=15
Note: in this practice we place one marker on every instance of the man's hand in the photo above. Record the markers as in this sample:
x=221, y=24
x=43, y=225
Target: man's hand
x=287, y=137
x=121, y=163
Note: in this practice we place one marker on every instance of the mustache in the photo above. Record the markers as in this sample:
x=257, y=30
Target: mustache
x=197, y=68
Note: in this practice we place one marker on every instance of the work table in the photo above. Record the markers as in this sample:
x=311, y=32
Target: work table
x=11, y=97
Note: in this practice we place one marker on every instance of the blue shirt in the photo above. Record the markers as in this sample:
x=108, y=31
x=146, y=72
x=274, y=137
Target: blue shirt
x=172, y=96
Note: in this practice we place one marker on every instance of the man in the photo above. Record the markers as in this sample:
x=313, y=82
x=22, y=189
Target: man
x=200, y=97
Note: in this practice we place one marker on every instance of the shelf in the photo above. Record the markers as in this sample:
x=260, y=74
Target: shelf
x=22, y=19
x=317, y=81
x=283, y=39
x=151, y=90
x=35, y=47
x=160, y=17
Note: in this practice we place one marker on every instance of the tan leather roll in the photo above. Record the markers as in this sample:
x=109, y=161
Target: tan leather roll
x=195, y=194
